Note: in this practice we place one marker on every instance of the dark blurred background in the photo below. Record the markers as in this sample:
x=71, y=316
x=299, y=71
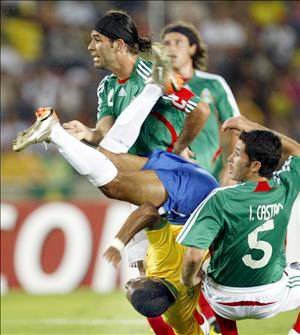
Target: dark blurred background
x=254, y=45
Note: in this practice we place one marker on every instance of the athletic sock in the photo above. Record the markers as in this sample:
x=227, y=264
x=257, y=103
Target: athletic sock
x=296, y=329
x=205, y=307
x=228, y=327
x=85, y=160
x=159, y=326
x=293, y=332
x=126, y=128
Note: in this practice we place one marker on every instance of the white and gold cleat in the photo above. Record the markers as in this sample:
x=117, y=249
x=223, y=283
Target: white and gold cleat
x=39, y=132
x=162, y=72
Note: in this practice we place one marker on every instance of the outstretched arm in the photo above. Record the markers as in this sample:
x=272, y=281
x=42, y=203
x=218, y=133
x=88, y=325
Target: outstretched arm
x=240, y=123
x=146, y=216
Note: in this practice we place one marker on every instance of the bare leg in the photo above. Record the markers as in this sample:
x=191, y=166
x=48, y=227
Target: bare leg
x=124, y=162
x=136, y=187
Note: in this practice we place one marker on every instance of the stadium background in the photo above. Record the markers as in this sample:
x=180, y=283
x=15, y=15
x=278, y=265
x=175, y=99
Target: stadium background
x=54, y=225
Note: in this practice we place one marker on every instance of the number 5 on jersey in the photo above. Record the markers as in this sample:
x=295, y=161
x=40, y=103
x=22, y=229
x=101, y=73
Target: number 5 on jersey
x=259, y=245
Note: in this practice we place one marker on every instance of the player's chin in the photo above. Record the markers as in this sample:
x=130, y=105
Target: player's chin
x=232, y=175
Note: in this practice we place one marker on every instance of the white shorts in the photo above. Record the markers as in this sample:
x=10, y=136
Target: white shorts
x=137, y=248
x=257, y=302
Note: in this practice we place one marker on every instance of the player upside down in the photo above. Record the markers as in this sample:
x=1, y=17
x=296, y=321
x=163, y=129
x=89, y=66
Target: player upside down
x=162, y=182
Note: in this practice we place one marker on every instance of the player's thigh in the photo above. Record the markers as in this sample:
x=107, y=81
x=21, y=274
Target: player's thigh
x=143, y=186
x=125, y=162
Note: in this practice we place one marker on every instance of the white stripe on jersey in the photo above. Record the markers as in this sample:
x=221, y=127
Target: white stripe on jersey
x=141, y=74
x=192, y=219
x=190, y=106
x=192, y=103
x=227, y=89
x=145, y=66
x=140, y=68
x=285, y=167
x=102, y=83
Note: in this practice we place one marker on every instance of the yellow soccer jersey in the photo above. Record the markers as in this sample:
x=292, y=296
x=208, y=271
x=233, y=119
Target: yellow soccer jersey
x=164, y=260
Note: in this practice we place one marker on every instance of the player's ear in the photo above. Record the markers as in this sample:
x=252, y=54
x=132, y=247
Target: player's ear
x=119, y=44
x=192, y=50
x=255, y=166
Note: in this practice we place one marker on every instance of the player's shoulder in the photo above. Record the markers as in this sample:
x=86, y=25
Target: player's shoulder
x=227, y=192
x=144, y=68
x=105, y=82
x=211, y=77
x=291, y=163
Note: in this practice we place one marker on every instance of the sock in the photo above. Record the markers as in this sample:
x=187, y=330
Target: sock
x=199, y=317
x=296, y=328
x=85, y=160
x=160, y=327
x=228, y=327
x=205, y=308
x=293, y=332
x=126, y=128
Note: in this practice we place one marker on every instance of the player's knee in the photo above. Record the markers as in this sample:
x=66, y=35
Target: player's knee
x=113, y=190
x=150, y=297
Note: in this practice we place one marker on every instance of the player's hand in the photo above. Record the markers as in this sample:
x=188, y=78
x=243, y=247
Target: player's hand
x=113, y=256
x=188, y=154
x=239, y=123
x=77, y=129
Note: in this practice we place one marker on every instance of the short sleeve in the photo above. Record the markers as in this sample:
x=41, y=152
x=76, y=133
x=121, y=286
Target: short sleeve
x=289, y=173
x=225, y=101
x=204, y=224
x=103, y=108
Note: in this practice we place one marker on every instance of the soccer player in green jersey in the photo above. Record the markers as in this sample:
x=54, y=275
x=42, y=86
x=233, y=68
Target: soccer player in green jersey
x=188, y=55
x=245, y=227
x=115, y=46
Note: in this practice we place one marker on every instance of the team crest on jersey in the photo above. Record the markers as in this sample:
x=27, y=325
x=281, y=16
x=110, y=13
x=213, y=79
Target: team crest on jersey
x=207, y=96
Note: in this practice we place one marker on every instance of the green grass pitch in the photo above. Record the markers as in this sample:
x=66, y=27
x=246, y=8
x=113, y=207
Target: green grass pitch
x=84, y=313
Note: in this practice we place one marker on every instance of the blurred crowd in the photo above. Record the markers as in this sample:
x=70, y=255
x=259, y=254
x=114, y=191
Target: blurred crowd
x=254, y=45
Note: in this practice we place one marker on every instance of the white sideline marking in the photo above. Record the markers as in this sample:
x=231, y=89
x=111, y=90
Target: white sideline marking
x=84, y=322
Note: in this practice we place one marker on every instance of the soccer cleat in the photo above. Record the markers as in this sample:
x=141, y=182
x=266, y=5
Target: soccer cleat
x=162, y=72
x=46, y=119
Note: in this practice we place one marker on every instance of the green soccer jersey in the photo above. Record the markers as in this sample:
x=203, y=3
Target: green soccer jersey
x=245, y=228
x=214, y=90
x=163, y=125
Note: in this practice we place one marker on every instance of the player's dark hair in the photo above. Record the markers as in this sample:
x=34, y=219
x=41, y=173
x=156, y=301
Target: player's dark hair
x=190, y=31
x=117, y=24
x=152, y=299
x=265, y=147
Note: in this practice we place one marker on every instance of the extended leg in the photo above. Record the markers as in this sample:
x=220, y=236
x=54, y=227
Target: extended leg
x=136, y=187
